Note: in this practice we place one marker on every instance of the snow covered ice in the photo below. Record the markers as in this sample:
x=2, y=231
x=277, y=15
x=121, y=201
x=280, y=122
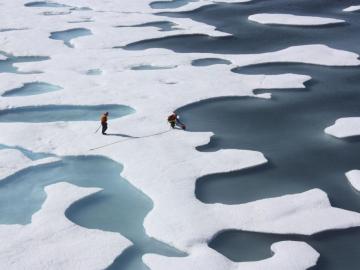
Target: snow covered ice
x=64, y=63
x=345, y=127
x=289, y=19
x=354, y=178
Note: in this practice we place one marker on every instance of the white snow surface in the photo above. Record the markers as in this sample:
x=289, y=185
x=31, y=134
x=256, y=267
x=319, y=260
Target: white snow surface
x=354, y=178
x=345, y=127
x=352, y=8
x=290, y=19
x=51, y=241
x=302, y=257
x=163, y=166
x=13, y=160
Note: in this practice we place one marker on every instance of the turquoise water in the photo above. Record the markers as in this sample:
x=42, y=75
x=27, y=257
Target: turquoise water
x=119, y=207
x=45, y=4
x=53, y=113
x=34, y=88
x=7, y=66
x=150, y=67
x=29, y=154
x=70, y=34
x=209, y=62
x=93, y=72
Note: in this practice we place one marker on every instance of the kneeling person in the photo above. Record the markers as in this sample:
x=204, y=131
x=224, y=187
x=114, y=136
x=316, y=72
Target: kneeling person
x=173, y=119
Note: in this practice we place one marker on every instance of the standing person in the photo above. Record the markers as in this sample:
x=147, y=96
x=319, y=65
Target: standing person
x=173, y=119
x=104, y=125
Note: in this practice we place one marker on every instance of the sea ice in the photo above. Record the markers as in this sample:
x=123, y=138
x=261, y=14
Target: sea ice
x=290, y=19
x=354, y=178
x=345, y=127
x=302, y=257
x=352, y=8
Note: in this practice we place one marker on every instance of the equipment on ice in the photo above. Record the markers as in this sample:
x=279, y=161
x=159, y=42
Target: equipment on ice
x=97, y=129
x=130, y=138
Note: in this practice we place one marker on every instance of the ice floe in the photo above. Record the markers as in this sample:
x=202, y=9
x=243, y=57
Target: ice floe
x=317, y=54
x=354, y=178
x=345, y=127
x=290, y=19
x=302, y=257
x=33, y=246
x=352, y=8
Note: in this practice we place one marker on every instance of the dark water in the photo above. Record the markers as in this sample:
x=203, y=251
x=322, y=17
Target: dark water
x=118, y=208
x=70, y=34
x=170, y=4
x=252, y=37
x=249, y=246
x=163, y=26
x=288, y=129
x=53, y=113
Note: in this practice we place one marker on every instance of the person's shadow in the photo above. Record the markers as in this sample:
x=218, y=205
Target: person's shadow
x=121, y=135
